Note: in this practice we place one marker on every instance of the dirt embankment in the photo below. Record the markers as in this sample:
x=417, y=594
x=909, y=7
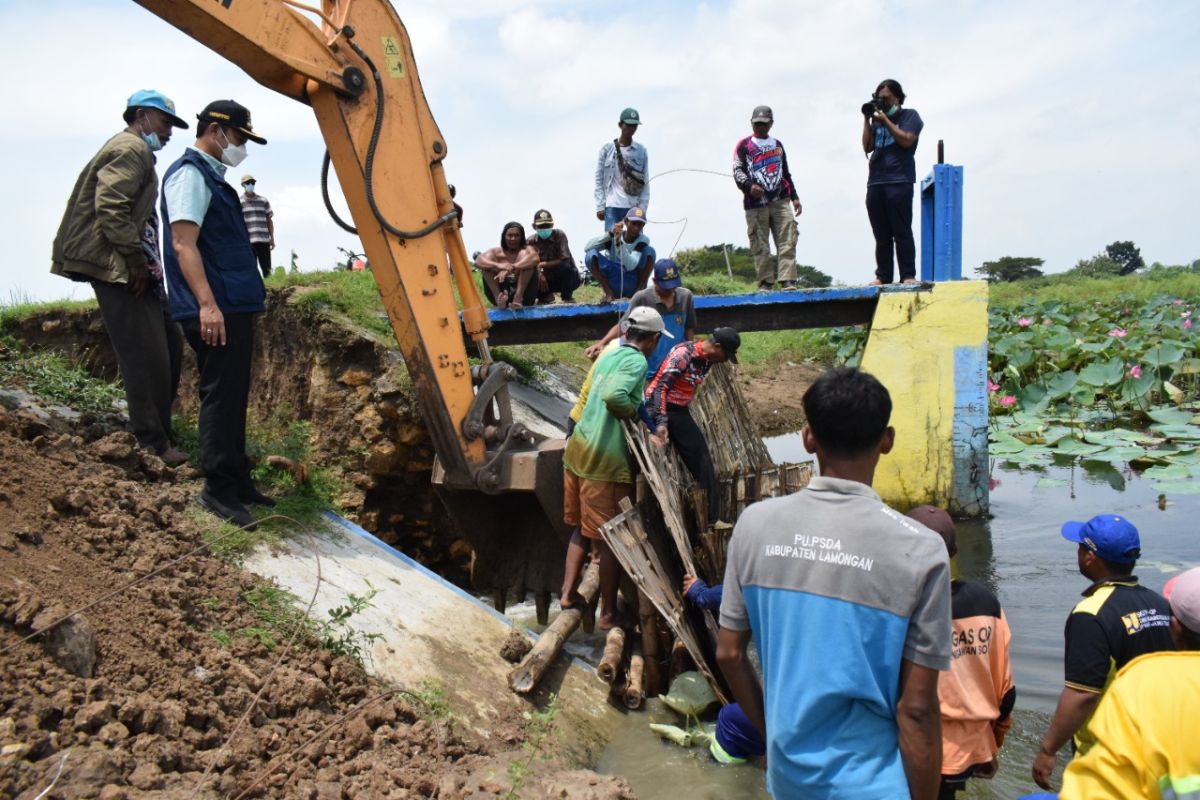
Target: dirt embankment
x=351, y=387
x=775, y=395
x=140, y=695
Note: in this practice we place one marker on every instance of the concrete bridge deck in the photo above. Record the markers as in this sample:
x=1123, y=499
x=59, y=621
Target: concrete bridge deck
x=760, y=311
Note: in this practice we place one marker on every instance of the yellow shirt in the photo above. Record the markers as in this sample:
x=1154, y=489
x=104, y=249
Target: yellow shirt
x=577, y=410
x=1146, y=730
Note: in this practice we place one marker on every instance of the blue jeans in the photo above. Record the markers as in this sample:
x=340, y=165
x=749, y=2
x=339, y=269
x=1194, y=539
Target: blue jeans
x=622, y=282
x=612, y=216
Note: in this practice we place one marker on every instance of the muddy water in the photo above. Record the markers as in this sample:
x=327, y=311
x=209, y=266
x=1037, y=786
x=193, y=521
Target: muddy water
x=1021, y=556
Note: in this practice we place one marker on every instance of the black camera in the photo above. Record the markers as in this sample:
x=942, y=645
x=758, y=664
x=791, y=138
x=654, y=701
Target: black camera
x=870, y=108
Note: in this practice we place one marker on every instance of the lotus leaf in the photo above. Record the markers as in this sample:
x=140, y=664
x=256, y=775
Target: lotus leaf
x=1061, y=383
x=1163, y=354
x=1074, y=447
x=1170, y=416
x=1186, y=433
x=1134, y=389
x=1174, y=472
x=1178, y=487
x=1107, y=373
x=690, y=694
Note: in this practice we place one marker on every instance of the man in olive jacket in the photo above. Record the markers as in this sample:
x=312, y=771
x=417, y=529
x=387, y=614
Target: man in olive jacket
x=100, y=241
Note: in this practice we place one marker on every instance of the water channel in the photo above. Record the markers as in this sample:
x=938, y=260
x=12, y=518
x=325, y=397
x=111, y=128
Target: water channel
x=1020, y=555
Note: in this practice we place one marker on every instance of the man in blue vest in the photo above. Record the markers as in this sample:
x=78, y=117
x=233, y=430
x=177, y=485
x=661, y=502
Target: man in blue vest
x=215, y=291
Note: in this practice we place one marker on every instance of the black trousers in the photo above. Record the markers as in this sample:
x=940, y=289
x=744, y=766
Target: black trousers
x=890, y=210
x=262, y=251
x=693, y=451
x=224, y=386
x=149, y=351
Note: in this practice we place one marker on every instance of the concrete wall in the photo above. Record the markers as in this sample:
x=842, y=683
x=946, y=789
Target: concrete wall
x=930, y=350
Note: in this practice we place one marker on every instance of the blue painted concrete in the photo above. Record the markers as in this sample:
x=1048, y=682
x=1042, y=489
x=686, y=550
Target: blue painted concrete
x=941, y=224
x=969, y=443
x=617, y=308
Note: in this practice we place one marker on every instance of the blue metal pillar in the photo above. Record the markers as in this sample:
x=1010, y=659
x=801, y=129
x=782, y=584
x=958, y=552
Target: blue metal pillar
x=941, y=224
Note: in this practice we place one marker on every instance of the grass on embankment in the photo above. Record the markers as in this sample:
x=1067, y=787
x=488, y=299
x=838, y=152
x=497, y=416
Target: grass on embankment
x=1176, y=281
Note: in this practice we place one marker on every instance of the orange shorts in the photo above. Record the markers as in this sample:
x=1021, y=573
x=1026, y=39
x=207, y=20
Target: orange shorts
x=588, y=504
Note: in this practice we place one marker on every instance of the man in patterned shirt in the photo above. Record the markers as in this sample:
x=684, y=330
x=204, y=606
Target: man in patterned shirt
x=670, y=393
x=760, y=170
x=260, y=224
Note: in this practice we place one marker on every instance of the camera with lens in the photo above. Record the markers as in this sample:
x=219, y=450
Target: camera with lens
x=870, y=108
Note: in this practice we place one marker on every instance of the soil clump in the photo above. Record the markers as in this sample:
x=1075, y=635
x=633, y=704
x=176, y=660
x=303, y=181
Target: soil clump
x=158, y=685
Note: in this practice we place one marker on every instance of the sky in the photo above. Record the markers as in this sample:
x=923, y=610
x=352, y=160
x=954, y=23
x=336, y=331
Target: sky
x=1072, y=120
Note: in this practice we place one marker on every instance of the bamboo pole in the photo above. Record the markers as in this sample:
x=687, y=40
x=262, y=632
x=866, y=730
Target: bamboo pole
x=524, y=677
x=627, y=540
x=635, y=694
x=614, y=652
x=651, y=647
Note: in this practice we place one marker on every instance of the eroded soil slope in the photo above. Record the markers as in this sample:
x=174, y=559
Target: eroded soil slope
x=164, y=706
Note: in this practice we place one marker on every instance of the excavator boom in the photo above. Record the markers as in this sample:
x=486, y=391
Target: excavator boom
x=352, y=62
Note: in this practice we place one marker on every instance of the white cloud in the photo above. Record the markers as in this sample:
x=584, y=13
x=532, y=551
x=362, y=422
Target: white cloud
x=1073, y=120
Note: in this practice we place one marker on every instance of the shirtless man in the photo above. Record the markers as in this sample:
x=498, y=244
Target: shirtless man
x=508, y=269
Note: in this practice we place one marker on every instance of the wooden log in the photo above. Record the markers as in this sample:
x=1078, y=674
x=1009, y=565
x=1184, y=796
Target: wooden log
x=681, y=660
x=614, y=654
x=651, y=647
x=635, y=694
x=542, y=603
x=525, y=676
x=627, y=539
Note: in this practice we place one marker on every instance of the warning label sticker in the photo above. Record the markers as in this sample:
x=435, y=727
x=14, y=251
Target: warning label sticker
x=394, y=56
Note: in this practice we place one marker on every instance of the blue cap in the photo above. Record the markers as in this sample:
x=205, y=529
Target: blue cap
x=1109, y=536
x=635, y=214
x=666, y=274
x=148, y=98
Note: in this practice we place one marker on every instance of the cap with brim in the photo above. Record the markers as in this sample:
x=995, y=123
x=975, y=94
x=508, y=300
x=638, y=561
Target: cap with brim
x=666, y=274
x=1183, y=593
x=635, y=214
x=1109, y=536
x=630, y=117
x=230, y=114
x=762, y=114
x=644, y=318
x=148, y=98
x=542, y=220
x=730, y=341
x=247, y=178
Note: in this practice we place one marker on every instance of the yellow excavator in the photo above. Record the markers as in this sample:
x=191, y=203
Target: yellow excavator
x=352, y=62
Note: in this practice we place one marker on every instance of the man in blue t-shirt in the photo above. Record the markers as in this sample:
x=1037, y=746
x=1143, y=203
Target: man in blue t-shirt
x=848, y=602
x=890, y=136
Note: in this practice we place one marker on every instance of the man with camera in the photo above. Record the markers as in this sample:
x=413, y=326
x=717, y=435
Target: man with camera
x=889, y=136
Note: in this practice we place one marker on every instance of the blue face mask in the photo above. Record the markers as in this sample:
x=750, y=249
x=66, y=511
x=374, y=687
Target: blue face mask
x=249, y=187
x=891, y=112
x=152, y=140
x=545, y=233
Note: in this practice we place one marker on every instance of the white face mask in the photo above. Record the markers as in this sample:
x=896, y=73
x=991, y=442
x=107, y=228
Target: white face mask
x=232, y=154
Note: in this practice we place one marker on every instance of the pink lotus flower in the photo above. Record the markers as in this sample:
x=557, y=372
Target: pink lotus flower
x=1186, y=314
x=1178, y=302
x=1024, y=322
x=993, y=386
x=1187, y=324
x=1008, y=401
x=1119, y=333
x=993, y=483
x=1047, y=321
x=1135, y=371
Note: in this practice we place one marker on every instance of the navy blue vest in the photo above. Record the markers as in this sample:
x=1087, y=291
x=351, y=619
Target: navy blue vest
x=229, y=262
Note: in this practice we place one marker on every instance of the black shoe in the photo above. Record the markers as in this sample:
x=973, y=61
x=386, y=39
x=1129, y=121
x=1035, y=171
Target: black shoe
x=251, y=494
x=231, y=511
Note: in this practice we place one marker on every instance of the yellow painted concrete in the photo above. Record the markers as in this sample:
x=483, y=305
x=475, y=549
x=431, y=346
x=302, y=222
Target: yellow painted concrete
x=911, y=349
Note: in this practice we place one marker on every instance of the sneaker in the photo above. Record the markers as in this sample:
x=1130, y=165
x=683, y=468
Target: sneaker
x=788, y=286
x=763, y=286
x=173, y=456
x=251, y=494
x=232, y=512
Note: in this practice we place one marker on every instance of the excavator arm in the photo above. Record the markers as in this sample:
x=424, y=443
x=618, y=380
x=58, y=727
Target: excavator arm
x=352, y=62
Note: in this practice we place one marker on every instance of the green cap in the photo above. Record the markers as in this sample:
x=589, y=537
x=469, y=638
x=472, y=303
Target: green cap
x=630, y=117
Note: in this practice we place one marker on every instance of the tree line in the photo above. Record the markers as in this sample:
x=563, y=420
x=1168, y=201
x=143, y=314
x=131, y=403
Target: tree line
x=1118, y=258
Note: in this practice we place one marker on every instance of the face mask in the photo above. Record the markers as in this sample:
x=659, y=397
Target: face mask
x=153, y=141
x=249, y=187
x=891, y=112
x=545, y=233
x=232, y=154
